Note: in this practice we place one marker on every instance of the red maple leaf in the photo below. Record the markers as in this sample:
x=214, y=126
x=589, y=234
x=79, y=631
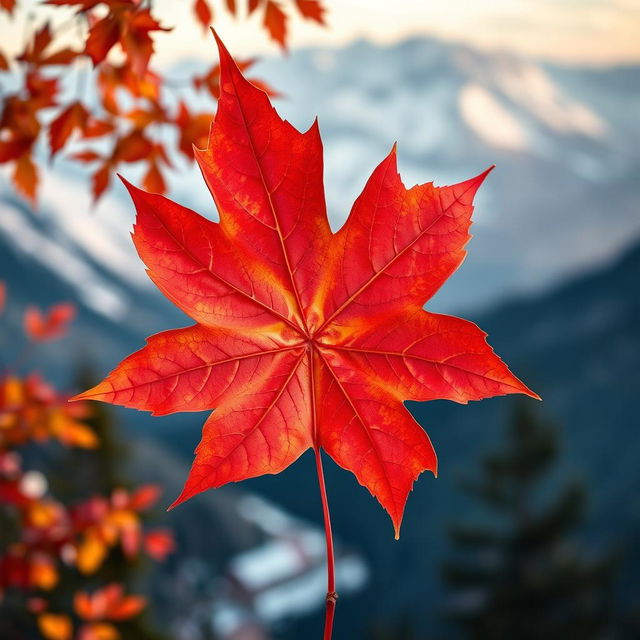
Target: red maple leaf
x=50, y=325
x=203, y=13
x=275, y=22
x=74, y=117
x=312, y=10
x=304, y=338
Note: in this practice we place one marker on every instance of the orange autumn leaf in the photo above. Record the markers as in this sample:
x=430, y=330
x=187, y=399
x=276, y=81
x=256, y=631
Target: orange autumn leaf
x=95, y=128
x=43, y=514
x=32, y=410
x=73, y=118
x=126, y=608
x=304, y=338
x=108, y=603
x=34, y=52
x=98, y=631
x=25, y=176
x=132, y=147
x=193, y=129
x=275, y=22
x=87, y=156
x=55, y=626
x=100, y=180
x=43, y=572
x=91, y=553
x=20, y=128
x=72, y=433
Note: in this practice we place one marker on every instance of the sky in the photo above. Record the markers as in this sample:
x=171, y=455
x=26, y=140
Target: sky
x=573, y=31
x=596, y=32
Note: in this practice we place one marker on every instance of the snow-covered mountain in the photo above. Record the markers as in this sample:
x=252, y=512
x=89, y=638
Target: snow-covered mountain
x=565, y=194
x=566, y=190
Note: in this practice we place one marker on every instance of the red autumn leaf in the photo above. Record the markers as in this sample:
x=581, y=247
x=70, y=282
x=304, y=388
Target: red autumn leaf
x=133, y=147
x=96, y=128
x=4, y=63
x=35, y=50
x=42, y=91
x=144, y=497
x=312, y=10
x=25, y=176
x=13, y=148
x=98, y=631
x=232, y=7
x=136, y=40
x=304, y=338
x=103, y=36
x=193, y=129
x=159, y=544
x=108, y=603
x=126, y=608
x=153, y=180
x=86, y=157
x=203, y=13
x=275, y=22
x=51, y=325
x=83, y=5
x=8, y=5
x=3, y=296
x=41, y=40
x=74, y=117
x=100, y=180
x=210, y=80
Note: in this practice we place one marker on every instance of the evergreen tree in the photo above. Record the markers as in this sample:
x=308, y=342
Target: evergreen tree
x=518, y=574
x=400, y=630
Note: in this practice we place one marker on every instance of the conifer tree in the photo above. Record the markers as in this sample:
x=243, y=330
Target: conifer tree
x=518, y=573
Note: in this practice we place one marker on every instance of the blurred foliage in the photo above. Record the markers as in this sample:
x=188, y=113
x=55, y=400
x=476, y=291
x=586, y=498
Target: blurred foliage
x=72, y=532
x=137, y=111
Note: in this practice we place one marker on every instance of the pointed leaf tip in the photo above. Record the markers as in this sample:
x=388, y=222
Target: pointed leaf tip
x=223, y=52
x=480, y=178
x=124, y=181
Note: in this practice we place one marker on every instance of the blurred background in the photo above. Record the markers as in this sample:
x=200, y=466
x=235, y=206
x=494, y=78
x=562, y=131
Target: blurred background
x=531, y=529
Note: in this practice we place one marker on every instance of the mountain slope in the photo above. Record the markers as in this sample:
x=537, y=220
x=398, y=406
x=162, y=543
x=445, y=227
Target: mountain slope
x=579, y=347
x=564, y=196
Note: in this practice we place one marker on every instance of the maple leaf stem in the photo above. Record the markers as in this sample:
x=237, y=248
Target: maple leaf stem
x=332, y=596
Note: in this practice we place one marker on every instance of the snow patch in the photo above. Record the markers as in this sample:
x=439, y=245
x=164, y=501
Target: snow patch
x=102, y=234
x=91, y=288
x=490, y=119
x=531, y=88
